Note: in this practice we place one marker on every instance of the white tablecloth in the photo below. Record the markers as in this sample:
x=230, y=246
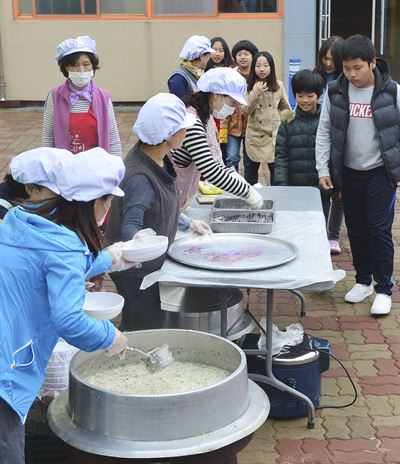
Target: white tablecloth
x=311, y=269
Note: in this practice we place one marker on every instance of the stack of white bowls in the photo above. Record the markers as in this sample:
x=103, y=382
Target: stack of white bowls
x=57, y=371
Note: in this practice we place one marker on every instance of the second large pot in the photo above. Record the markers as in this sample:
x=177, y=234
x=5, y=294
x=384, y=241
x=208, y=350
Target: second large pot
x=199, y=308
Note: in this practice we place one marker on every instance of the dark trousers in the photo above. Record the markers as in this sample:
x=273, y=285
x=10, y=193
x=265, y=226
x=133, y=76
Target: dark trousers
x=368, y=204
x=12, y=436
x=251, y=169
x=223, y=147
x=142, y=308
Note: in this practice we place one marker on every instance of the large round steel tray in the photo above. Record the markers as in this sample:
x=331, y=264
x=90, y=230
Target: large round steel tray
x=232, y=252
x=120, y=424
x=67, y=430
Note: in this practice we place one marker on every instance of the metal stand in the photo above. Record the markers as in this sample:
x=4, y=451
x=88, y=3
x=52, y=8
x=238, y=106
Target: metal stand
x=303, y=304
x=224, y=312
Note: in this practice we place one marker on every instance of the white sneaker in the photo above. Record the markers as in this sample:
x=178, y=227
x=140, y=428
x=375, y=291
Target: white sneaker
x=382, y=304
x=358, y=293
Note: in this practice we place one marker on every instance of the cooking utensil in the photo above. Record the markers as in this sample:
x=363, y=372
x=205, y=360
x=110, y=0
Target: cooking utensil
x=239, y=204
x=155, y=359
x=235, y=215
x=258, y=222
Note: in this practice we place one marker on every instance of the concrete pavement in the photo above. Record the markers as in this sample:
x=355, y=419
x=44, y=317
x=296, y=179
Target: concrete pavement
x=365, y=433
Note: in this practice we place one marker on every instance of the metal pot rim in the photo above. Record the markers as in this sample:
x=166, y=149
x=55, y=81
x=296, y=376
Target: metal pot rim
x=242, y=364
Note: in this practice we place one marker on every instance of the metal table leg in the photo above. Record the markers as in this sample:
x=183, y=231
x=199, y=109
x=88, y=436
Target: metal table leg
x=303, y=303
x=270, y=379
x=224, y=312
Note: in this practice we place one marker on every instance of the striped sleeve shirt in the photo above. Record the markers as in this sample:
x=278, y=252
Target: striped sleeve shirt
x=195, y=148
x=81, y=106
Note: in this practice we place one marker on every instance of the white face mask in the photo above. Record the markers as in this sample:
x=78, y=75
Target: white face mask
x=80, y=79
x=224, y=112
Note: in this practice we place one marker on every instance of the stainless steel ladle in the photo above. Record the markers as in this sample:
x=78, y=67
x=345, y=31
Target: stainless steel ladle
x=155, y=359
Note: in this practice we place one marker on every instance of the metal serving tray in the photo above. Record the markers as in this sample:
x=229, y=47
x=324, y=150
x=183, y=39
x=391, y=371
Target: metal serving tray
x=239, y=204
x=233, y=252
x=235, y=215
x=251, y=222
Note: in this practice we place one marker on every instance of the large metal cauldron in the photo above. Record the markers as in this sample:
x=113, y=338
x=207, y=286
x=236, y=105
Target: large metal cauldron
x=140, y=426
x=162, y=417
x=199, y=308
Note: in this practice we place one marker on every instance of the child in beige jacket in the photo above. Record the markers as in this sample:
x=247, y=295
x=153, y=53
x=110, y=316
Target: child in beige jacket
x=266, y=98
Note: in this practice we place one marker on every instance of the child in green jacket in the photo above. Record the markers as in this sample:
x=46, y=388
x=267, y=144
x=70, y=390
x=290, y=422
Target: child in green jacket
x=295, y=142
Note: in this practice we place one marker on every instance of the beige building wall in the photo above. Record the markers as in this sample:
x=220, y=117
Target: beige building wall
x=136, y=57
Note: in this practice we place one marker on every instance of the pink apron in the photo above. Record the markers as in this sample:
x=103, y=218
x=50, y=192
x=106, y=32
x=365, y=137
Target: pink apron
x=189, y=176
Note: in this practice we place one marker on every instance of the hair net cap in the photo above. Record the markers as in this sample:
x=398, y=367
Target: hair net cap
x=160, y=117
x=224, y=81
x=82, y=177
x=82, y=43
x=195, y=46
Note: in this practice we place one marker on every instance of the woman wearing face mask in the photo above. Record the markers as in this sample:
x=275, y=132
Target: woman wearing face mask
x=221, y=58
x=219, y=89
x=47, y=249
x=78, y=115
x=195, y=55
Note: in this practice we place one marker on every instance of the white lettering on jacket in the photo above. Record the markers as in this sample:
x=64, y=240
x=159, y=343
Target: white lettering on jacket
x=360, y=110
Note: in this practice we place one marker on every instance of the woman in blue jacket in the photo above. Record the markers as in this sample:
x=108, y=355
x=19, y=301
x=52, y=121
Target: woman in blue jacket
x=47, y=249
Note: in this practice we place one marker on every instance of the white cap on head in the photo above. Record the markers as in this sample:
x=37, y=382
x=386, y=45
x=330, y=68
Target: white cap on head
x=82, y=43
x=224, y=81
x=160, y=117
x=195, y=46
x=82, y=177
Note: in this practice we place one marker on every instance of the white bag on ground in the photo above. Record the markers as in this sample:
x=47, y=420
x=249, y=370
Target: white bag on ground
x=57, y=371
x=293, y=335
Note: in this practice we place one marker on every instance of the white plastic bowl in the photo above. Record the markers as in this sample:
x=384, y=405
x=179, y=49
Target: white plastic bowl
x=145, y=249
x=103, y=305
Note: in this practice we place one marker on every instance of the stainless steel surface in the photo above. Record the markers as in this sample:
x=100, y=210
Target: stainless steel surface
x=161, y=417
x=232, y=252
x=197, y=299
x=155, y=359
x=198, y=308
x=251, y=222
x=239, y=204
x=67, y=430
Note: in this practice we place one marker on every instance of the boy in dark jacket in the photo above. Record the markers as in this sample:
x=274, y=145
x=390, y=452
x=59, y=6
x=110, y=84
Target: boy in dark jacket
x=295, y=142
x=358, y=153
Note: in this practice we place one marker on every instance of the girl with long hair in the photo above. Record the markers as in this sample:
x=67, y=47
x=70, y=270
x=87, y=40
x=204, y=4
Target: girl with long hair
x=330, y=66
x=267, y=99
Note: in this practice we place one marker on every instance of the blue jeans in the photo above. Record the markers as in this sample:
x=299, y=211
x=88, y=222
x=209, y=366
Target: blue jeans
x=233, y=151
